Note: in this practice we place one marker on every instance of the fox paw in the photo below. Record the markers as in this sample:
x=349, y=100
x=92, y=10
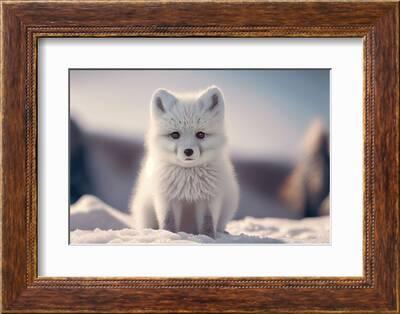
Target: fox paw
x=208, y=227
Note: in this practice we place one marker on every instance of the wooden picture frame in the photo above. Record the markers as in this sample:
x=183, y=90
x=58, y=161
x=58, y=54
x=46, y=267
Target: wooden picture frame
x=25, y=22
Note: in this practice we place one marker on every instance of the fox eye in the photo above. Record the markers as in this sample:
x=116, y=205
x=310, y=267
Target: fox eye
x=200, y=135
x=175, y=135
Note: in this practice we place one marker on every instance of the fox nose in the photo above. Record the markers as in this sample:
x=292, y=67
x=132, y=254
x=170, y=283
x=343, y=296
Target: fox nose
x=188, y=152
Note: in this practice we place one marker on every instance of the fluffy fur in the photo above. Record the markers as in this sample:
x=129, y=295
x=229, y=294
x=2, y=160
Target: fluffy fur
x=196, y=193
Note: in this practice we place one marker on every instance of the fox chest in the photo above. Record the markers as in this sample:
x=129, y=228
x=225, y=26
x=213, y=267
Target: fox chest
x=188, y=184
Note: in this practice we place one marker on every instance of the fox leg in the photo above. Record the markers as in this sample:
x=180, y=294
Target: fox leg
x=229, y=206
x=168, y=215
x=145, y=218
x=207, y=213
x=167, y=222
x=177, y=212
x=225, y=216
x=208, y=225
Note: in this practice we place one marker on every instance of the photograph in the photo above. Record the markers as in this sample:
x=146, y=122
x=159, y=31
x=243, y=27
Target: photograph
x=199, y=156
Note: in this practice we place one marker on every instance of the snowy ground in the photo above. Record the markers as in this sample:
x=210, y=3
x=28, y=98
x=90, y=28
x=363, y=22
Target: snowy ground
x=94, y=222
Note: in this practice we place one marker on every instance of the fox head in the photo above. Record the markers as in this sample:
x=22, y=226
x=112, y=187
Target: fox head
x=187, y=130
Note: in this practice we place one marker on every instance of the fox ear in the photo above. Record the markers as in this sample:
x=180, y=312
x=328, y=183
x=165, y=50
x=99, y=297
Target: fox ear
x=212, y=100
x=162, y=102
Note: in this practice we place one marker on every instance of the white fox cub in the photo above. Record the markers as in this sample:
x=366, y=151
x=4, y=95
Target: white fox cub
x=187, y=181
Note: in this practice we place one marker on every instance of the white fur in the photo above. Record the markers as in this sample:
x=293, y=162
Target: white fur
x=199, y=195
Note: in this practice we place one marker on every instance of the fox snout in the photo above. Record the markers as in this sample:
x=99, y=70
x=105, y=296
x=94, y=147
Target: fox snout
x=188, y=153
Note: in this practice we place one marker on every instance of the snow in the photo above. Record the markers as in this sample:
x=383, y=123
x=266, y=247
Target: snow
x=94, y=222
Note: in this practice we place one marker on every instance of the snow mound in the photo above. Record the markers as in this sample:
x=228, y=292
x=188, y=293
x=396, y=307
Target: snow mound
x=94, y=222
x=89, y=213
x=146, y=236
x=307, y=230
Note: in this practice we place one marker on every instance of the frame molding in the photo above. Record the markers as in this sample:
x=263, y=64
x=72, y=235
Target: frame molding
x=25, y=23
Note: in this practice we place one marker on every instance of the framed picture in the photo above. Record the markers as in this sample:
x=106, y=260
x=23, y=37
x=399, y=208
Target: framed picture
x=200, y=157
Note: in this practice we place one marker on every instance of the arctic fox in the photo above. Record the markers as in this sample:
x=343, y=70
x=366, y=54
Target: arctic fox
x=187, y=181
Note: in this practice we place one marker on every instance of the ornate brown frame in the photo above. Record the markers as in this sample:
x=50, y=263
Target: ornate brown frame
x=25, y=22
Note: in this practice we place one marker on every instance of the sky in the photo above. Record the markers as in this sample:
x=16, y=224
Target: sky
x=267, y=111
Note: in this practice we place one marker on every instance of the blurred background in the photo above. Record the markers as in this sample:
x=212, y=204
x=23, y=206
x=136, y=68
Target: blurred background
x=277, y=125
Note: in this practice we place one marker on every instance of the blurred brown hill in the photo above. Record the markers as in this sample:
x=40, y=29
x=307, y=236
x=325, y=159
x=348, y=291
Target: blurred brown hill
x=306, y=190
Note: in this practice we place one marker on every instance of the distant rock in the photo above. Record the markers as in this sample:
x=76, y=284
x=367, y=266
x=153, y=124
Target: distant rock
x=307, y=188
